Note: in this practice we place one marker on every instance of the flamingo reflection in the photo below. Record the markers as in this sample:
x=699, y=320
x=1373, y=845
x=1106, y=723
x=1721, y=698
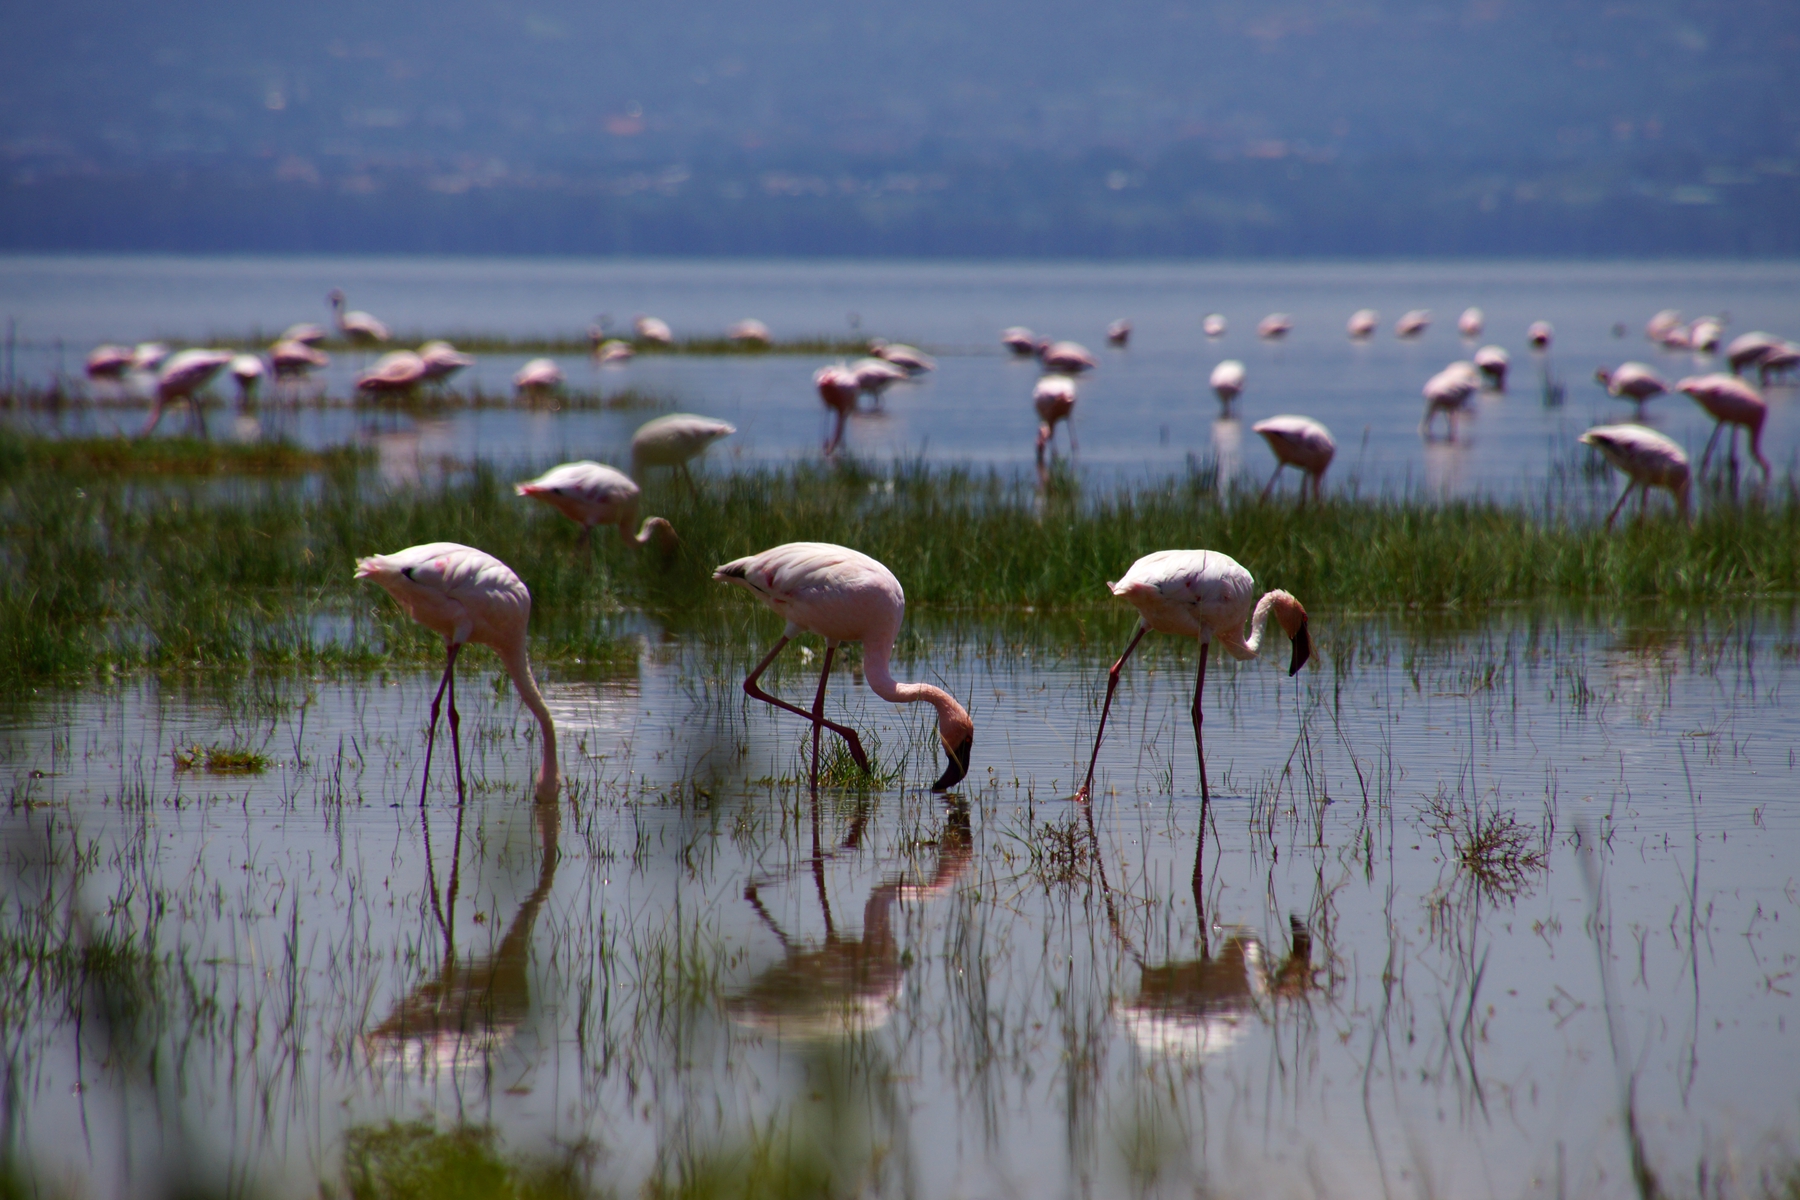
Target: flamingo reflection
x=1196, y=1008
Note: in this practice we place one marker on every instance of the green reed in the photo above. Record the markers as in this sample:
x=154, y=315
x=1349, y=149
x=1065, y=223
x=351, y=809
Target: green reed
x=111, y=570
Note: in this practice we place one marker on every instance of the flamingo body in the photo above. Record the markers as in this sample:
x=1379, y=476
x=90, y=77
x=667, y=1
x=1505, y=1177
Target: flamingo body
x=1227, y=381
x=1540, y=334
x=1705, y=334
x=1730, y=401
x=1633, y=380
x=595, y=495
x=358, y=327
x=148, y=356
x=1213, y=325
x=837, y=391
x=750, y=332
x=1067, y=358
x=109, y=362
x=296, y=358
x=538, y=377
x=393, y=374
x=1362, y=323
x=1647, y=458
x=1275, y=325
x=1492, y=362
x=249, y=371
x=614, y=350
x=673, y=440
x=1119, y=332
x=442, y=360
x=1449, y=392
x=910, y=359
x=653, y=329
x=1299, y=442
x=306, y=333
x=1412, y=324
x=876, y=375
x=1054, y=399
x=1471, y=323
x=1659, y=325
x=845, y=596
x=1749, y=349
x=1020, y=340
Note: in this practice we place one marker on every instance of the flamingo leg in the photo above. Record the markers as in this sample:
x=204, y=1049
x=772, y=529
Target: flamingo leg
x=1045, y=433
x=1623, y=496
x=456, y=841
x=752, y=689
x=1074, y=446
x=837, y=434
x=1267, y=487
x=818, y=717
x=1200, y=742
x=425, y=781
x=1718, y=428
x=1112, y=683
x=693, y=488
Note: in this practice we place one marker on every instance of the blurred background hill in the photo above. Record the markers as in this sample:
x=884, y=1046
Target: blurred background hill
x=930, y=127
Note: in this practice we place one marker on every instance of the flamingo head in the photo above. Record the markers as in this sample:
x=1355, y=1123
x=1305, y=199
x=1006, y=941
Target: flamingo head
x=957, y=732
x=1292, y=616
x=336, y=298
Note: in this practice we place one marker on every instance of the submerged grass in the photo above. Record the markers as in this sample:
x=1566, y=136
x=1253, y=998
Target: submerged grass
x=104, y=571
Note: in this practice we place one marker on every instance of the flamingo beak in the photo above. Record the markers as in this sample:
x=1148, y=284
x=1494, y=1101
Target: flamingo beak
x=1302, y=649
x=957, y=767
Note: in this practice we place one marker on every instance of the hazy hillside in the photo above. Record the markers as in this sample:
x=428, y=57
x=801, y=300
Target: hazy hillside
x=323, y=110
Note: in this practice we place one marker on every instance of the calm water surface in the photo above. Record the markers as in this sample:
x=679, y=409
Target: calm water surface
x=1145, y=411
x=990, y=997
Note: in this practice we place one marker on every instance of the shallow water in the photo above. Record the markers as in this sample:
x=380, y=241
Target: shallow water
x=945, y=1000
x=1147, y=409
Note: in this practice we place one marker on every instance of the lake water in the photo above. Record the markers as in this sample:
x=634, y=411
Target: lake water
x=1145, y=412
x=988, y=997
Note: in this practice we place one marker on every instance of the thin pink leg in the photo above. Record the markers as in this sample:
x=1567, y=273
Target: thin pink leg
x=752, y=689
x=1112, y=683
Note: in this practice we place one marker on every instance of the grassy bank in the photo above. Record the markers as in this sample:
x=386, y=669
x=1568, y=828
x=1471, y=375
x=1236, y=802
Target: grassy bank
x=103, y=572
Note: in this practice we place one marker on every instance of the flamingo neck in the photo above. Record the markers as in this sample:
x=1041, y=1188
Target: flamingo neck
x=876, y=657
x=1259, y=622
x=518, y=665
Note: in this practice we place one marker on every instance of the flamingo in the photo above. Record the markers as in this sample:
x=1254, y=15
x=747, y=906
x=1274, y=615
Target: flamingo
x=750, y=332
x=1119, y=333
x=358, y=327
x=1199, y=594
x=1729, y=401
x=1066, y=358
x=1298, y=442
x=845, y=596
x=1781, y=358
x=1275, y=325
x=1705, y=334
x=1213, y=325
x=651, y=329
x=306, y=333
x=442, y=360
x=672, y=440
x=108, y=362
x=1749, y=350
x=1647, y=458
x=466, y=595
x=1020, y=340
x=1660, y=325
x=181, y=378
x=875, y=376
x=1054, y=399
x=396, y=374
x=248, y=371
x=1362, y=323
x=1675, y=339
x=1448, y=392
x=614, y=350
x=910, y=359
x=538, y=378
x=1228, y=381
x=1412, y=324
x=1540, y=334
x=1471, y=323
x=148, y=356
x=837, y=388
x=593, y=494
x=1492, y=362
x=1634, y=381
x=296, y=358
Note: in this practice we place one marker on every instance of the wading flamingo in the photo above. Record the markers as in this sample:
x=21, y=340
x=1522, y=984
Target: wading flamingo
x=1054, y=399
x=1449, y=392
x=396, y=374
x=1275, y=325
x=248, y=371
x=1020, y=340
x=1412, y=324
x=1729, y=401
x=1633, y=381
x=306, y=333
x=1471, y=323
x=1658, y=327
x=910, y=359
x=837, y=390
x=538, y=378
x=148, y=356
x=1492, y=362
x=1705, y=334
x=876, y=375
x=652, y=329
x=357, y=327
x=1362, y=323
x=591, y=494
x=108, y=362
x=1298, y=442
x=1749, y=350
x=465, y=595
x=1205, y=595
x=1066, y=358
x=1647, y=458
x=1227, y=382
x=1540, y=335
x=845, y=596
x=1119, y=332
x=296, y=358
x=750, y=332
x=181, y=378
x=672, y=440
x=442, y=360
x=1213, y=325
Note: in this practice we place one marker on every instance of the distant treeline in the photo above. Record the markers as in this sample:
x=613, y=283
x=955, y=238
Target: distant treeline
x=1186, y=204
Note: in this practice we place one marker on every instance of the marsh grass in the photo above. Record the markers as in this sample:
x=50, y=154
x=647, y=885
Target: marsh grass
x=428, y=400
x=103, y=572
x=1500, y=853
x=106, y=457
x=400, y=1161
x=221, y=760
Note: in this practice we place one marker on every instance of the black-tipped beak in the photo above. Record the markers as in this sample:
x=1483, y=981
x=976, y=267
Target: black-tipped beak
x=957, y=767
x=1302, y=649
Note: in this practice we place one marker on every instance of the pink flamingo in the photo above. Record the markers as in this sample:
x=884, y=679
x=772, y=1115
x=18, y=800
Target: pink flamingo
x=1634, y=381
x=876, y=375
x=1657, y=327
x=538, y=378
x=1227, y=382
x=296, y=358
x=1705, y=334
x=306, y=333
x=1492, y=362
x=1729, y=401
x=1205, y=595
x=1780, y=359
x=1749, y=350
x=1020, y=340
x=148, y=356
x=396, y=374
x=181, y=378
x=1362, y=323
x=464, y=595
x=593, y=494
x=1471, y=323
x=1298, y=442
x=1119, y=332
x=1213, y=325
x=652, y=329
x=1275, y=325
x=910, y=359
x=1540, y=334
x=1449, y=392
x=1066, y=358
x=358, y=327
x=1647, y=458
x=1054, y=399
x=673, y=440
x=442, y=360
x=109, y=362
x=248, y=371
x=1412, y=324
x=750, y=332
x=845, y=596
x=838, y=390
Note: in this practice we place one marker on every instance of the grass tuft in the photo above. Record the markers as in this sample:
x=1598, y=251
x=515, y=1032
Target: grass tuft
x=221, y=760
